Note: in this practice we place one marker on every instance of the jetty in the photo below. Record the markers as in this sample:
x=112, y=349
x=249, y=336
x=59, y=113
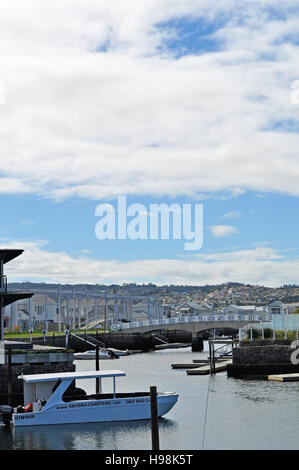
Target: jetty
x=161, y=347
x=203, y=366
x=206, y=369
x=196, y=363
x=284, y=377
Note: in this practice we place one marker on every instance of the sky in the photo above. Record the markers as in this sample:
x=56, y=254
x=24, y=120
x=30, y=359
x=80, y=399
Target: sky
x=176, y=102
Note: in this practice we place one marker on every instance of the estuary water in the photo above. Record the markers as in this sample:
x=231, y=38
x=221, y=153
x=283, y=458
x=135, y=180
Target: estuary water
x=234, y=413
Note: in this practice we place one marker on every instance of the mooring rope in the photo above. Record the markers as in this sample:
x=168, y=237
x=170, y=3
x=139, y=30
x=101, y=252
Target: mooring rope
x=206, y=414
x=208, y=393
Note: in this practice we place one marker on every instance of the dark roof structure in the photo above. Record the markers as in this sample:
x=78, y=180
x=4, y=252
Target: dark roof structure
x=9, y=254
x=6, y=298
x=10, y=297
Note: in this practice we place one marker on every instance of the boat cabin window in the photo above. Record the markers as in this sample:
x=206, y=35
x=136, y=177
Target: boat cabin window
x=72, y=391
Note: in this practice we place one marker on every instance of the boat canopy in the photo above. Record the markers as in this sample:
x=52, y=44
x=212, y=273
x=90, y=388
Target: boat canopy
x=84, y=374
x=40, y=386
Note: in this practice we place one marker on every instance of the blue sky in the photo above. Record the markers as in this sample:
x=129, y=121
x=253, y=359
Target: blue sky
x=69, y=226
x=182, y=103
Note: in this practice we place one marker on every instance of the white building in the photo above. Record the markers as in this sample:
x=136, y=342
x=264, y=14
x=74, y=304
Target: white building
x=146, y=309
x=241, y=310
x=192, y=308
x=28, y=313
x=278, y=308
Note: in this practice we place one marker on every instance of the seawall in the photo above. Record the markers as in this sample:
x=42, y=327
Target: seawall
x=27, y=362
x=261, y=360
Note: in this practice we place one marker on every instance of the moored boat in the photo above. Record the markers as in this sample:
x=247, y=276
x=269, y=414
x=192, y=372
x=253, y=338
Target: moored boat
x=49, y=400
x=92, y=354
x=107, y=353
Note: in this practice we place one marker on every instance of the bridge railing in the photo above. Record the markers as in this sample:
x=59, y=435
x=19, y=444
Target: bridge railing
x=190, y=319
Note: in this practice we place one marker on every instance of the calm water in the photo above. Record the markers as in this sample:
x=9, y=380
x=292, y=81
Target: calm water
x=241, y=414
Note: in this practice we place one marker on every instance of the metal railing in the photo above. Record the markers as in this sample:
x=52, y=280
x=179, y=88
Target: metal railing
x=190, y=319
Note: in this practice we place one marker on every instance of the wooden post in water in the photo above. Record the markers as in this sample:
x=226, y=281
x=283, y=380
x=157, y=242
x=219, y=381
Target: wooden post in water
x=212, y=357
x=214, y=360
x=154, y=418
x=97, y=368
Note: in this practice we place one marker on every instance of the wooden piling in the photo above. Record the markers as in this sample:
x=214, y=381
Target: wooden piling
x=97, y=368
x=154, y=418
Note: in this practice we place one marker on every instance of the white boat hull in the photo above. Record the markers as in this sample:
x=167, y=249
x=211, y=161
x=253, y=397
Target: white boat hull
x=91, y=356
x=91, y=411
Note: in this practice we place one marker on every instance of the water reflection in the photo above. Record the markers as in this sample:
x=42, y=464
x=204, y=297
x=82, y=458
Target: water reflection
x=87, y=436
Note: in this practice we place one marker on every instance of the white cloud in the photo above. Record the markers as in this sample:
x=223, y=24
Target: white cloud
x=223, y=230
x=95, y=105
x=231, y=215
x=27, y=222
x=261, y=265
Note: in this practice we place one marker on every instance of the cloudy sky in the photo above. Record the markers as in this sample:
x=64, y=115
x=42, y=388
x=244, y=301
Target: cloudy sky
x=185, y=102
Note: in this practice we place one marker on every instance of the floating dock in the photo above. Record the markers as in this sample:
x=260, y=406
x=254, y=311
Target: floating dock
x=225, y=341
x=159, y=347
x=196, y=363
x=184, y=366
x=207, y=361
x=205, y=369
x=284, y=377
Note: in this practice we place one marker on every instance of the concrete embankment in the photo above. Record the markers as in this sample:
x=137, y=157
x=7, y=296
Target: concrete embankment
x=81, y=342
x=135, y=342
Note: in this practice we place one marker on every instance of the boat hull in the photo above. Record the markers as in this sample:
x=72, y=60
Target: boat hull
x=91, y=356
x=93, y=411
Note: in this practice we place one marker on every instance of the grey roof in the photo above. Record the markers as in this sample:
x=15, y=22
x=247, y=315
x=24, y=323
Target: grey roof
x=276, y=303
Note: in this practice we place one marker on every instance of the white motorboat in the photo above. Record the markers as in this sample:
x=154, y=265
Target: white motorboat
x=49, y=401
x=120, y=352
x=108, y=353
x=92, y=354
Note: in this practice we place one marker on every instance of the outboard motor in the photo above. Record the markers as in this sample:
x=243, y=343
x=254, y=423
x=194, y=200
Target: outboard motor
x=6, y=412
x=112, y=354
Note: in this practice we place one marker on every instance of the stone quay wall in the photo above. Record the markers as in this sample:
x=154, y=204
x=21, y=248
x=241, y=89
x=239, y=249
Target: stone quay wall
x=270, y=354
x=258, y=361
x=28, y=368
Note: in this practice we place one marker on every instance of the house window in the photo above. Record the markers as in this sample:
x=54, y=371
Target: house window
x=275, y=310
x=39, y=310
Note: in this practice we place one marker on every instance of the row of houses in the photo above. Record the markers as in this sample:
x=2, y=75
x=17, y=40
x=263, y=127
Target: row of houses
x=73, y=312
x=44, y=311
x=274, y=308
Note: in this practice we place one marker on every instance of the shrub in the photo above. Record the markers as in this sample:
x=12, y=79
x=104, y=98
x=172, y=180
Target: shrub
x=268, y=333
x=255, y=333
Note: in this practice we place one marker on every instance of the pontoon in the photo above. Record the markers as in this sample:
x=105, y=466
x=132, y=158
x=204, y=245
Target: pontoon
x=48, y=399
